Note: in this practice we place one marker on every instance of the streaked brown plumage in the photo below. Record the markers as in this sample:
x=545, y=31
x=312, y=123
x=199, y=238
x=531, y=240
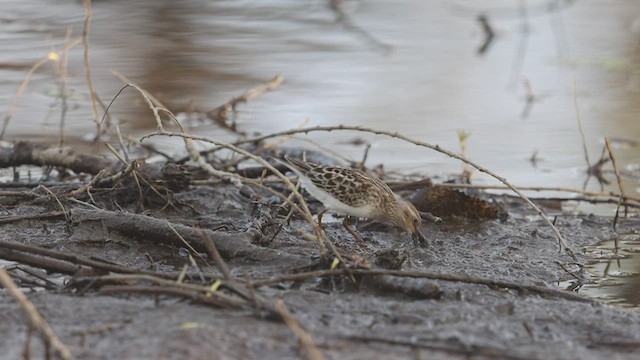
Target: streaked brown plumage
x=353, y=192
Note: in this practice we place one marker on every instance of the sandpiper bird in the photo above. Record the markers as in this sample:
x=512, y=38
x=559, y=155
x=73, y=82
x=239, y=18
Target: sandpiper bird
x=355, y=193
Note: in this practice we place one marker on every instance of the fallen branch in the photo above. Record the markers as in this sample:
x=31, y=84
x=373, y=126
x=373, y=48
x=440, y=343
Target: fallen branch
x=493, y=283
x=42, y=262
x=28, y=153
x=148, y=228
x=63, y=263
x=620, y=184
x=49, y=215
x=172, y=291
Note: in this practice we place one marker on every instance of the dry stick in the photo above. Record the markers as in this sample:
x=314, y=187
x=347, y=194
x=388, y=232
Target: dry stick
x=62, y=207
x=36, y=320
x=173, y=291
x=154, y=104
x=612, y=195
x=186, y=243
x=87, y=187
x=525, y=188
x=620, y=185
x=215, y=255
x=134, y=165
x=261, y=148
x=121, y=143
x=68, y=264
x=536, y=289
x=561, y=240
x=247, y=291
x=135, y=226
x=25, y=83
x=85, y=203
x=87, y=67
x=588, y=200
x=156, y=107
x=584, y=142
x=65, y=268
x=205, y=289
x=49, y=264
x=313, y=353
x=52, y=214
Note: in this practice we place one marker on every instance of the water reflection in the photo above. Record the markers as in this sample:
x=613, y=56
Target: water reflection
x=615, y=271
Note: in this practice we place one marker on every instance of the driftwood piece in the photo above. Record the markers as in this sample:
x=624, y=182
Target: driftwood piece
x=230, y=245
x=28, y=153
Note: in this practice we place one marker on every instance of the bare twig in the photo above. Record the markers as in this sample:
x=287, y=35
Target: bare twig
x=313, y=353
x=49, y=215
x=87, y=187
x=57, y=199
x=163, y=282
x=535, y=289
x=406, y=186
x=70, y=264
x=36, y=321
x=166, y=290
x=215, y=255
x=620, y=184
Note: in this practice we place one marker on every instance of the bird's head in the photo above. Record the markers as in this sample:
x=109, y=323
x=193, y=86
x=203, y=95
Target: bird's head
x=408, y=218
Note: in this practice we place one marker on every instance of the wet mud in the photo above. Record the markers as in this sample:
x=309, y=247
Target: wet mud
x=482, y=289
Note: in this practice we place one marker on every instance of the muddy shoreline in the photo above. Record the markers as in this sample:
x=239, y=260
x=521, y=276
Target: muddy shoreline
x=381, y=316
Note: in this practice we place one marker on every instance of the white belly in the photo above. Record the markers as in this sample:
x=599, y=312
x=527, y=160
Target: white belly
x=333, y=204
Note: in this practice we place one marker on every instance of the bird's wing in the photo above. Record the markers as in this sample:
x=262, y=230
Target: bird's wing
x=350, y=186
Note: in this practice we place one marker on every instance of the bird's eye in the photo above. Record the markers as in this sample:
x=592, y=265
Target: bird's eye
x=416, y=221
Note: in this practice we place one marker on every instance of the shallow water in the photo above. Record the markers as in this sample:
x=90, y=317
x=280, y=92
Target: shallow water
x=409, y=66
x=615, y=272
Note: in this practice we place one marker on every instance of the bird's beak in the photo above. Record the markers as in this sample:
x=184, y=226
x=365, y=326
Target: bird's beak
x=419, y=238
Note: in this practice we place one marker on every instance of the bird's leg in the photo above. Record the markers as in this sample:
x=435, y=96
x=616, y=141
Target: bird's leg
x=320, y=218
x=352, y=232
